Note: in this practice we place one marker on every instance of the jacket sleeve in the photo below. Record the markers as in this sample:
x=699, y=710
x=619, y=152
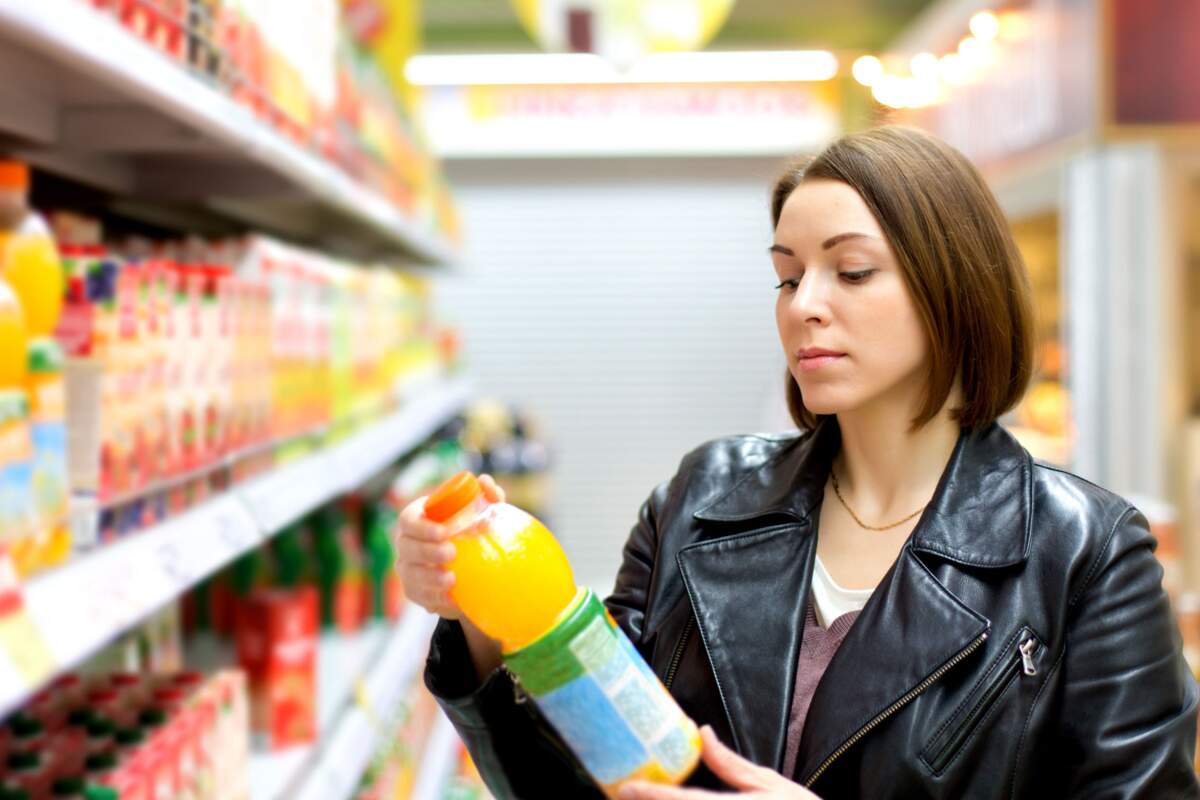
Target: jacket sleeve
x=516, y=751
x=1129, y=712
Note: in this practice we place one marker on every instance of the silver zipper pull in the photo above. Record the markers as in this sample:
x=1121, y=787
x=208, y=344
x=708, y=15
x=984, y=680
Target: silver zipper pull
x=1026, y=649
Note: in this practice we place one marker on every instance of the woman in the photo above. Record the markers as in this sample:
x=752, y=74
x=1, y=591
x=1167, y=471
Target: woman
x=898, y=602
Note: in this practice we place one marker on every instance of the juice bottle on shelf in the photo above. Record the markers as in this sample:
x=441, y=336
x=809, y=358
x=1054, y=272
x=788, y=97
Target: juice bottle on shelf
x=30, y=265
x=17, y=529
x=514, y=582
x=48, y=428
x=28, y=255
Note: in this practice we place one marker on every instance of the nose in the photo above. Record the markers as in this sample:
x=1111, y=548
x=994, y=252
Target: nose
x=810, y=302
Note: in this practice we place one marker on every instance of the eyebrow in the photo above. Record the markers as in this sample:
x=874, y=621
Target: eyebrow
x=831, y=242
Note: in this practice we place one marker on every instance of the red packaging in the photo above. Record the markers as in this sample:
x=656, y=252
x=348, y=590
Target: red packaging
x=276, y=633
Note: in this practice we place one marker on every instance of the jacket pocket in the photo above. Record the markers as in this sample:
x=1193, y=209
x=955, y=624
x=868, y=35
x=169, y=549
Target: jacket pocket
x=1019, y=660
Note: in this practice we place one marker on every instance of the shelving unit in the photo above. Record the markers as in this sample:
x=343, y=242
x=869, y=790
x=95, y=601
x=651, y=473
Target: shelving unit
x=358, y=677
x=437, y=765
x=86, y=99
x=87, y=602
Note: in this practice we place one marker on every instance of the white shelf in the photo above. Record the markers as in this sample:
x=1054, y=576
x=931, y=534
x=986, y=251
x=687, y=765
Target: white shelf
x=360, y=679
x=91, y=101
x=87, y=602
x=438, y=761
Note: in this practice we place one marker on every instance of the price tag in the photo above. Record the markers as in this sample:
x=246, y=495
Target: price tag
x=283, y=496
x=235, y=529
x=19, y=637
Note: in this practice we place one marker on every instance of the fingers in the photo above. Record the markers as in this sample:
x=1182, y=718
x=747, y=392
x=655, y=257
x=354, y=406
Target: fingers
x=420, y=551
x=728, y=765
x=415, y=525
x=491, y=489
x=644, y=790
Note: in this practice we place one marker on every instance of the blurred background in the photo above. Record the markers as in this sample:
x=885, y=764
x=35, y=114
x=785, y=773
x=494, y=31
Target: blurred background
x=269, y=269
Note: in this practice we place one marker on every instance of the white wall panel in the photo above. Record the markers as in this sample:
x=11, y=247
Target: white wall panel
x=629, y=305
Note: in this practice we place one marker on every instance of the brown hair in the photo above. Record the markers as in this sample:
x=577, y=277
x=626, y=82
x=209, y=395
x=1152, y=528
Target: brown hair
x=962, y=267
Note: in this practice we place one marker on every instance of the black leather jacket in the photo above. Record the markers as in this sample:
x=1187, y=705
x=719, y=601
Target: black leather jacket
x=929, y=695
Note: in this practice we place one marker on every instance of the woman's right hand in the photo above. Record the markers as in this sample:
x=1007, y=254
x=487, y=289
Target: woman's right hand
x=424, y=550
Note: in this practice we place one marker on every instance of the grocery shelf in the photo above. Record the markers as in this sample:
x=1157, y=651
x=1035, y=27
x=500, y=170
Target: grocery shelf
x=80, y=606
x=359, y=678
x=438, y=762
x=85, y=98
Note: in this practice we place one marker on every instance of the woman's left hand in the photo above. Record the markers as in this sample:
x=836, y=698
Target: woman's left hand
x=747, y=778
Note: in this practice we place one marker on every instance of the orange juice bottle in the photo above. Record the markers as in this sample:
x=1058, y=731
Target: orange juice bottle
x=16, y=450
x=512, y=579
x=28, y=255
x=513, y=582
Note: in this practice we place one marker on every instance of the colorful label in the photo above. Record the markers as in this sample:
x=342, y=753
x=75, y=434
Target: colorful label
x=602, y=698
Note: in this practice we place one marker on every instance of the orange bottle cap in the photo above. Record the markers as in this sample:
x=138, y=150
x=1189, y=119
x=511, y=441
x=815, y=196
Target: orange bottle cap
x=13, y=175
x=452, y=497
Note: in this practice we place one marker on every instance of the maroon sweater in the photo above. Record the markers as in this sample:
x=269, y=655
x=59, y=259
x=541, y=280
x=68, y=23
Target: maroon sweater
x=816, y=651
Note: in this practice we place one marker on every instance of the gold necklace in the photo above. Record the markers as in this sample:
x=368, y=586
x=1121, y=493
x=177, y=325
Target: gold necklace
x=861, y=524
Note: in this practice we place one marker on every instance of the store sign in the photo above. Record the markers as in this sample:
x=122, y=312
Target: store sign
x=621, y=120
x=1040, y=88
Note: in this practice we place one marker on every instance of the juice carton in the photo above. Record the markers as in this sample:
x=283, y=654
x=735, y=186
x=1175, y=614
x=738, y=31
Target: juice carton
x=277, y=646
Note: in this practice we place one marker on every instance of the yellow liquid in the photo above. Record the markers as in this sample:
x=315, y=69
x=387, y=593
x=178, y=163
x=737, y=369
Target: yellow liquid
x=512, y=579
x=33, y=269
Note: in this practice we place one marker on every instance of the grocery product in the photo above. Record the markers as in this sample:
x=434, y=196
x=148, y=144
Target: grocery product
x=179, y=735
x=514, y=583
x=30, y=303
x=340, y=568
x=276, y=632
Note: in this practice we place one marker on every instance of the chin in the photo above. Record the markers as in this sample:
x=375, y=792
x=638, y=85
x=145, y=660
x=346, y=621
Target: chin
x=822, y=402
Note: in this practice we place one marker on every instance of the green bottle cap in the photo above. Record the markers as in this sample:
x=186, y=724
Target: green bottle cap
x=130, y=736
x=67, y=787
x=26, y=727
x=152, y=718
x=81, y=717
x=100, y=762
x=100, y=793
x=24, y=761
x=99, y=727
x=45, y=355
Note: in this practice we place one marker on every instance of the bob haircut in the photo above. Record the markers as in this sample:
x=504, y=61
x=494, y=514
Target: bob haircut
x=960, y=262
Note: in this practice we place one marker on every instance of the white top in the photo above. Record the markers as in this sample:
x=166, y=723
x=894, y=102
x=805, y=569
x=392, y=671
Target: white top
x=832, y=601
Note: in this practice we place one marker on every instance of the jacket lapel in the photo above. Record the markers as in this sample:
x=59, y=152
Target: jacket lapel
x=738, y=586
x=911, y=628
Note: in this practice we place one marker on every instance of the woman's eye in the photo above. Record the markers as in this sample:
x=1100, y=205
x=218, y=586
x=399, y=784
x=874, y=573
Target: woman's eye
x=856, y=276
x=790, y=284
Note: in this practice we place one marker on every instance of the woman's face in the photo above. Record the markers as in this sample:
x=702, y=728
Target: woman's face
x=850, y=330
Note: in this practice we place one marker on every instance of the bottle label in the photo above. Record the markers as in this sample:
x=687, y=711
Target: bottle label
x=609, y=707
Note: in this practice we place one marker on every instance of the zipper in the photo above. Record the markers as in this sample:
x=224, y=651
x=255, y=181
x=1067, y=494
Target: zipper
x=678, y=654
x=896, y=706
x=1022, y=661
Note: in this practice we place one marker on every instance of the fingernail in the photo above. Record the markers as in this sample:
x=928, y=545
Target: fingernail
x=628, y=792
x=448, y=551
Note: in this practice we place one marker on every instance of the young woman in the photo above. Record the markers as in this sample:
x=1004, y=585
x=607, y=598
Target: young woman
x=897, y=602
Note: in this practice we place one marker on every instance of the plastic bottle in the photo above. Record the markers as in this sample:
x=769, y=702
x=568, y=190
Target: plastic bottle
x=17, y=530
x=30, y=260
x=514, y=583
x=48, y=429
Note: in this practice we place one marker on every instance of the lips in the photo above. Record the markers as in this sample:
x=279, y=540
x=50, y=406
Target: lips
x=817, y=352
x=811, y=359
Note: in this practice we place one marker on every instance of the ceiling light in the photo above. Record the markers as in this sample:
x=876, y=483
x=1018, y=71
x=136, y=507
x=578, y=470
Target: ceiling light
x=867, y=70
x=585, y=68
x=984, y=25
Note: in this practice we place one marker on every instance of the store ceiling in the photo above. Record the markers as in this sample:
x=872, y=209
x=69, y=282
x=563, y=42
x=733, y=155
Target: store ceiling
x=491, y=25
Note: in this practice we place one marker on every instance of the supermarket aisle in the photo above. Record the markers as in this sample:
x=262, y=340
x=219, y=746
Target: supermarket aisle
x=628, y=304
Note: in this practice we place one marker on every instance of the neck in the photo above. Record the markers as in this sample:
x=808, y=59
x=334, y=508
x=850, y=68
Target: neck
x=887, y=468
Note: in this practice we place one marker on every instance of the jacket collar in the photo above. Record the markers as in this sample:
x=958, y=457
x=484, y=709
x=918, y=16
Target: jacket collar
x=980, y=515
